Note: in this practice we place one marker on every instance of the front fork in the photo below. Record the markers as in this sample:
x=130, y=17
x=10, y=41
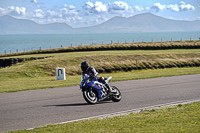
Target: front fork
x=105, y=89
x=91, y=93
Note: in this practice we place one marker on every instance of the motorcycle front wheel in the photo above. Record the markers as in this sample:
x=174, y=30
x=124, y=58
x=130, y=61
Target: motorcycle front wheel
x=118, y=96
x=89, y=96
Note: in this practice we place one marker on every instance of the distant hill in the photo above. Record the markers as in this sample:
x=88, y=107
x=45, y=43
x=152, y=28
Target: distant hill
x=10, y=25
x=145, y=22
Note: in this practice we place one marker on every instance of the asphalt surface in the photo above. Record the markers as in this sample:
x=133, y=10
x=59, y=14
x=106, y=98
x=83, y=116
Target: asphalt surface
x=29, y=109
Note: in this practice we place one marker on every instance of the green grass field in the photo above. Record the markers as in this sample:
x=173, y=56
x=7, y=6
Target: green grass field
x=175, y=119
x=42, y=82
x=40, y=74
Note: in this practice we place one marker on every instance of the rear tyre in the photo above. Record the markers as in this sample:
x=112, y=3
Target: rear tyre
x=116, y=97
x=90, y=97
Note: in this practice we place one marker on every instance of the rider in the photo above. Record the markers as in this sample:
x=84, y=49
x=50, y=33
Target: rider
x=93, y=76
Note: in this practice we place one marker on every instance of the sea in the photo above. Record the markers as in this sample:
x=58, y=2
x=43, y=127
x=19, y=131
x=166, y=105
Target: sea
x=20, y=43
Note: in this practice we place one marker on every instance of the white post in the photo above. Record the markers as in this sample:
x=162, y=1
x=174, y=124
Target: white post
x=60, y=74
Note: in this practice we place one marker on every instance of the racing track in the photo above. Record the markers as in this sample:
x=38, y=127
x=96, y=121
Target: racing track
x=29, y=109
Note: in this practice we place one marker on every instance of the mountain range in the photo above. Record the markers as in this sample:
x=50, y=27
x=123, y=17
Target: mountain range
x=145, y=22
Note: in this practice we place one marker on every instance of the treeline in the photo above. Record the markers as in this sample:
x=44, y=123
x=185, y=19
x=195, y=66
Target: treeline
x=149, y=65
x=12, y=61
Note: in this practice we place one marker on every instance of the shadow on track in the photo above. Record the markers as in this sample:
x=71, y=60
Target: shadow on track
x=65, y=105
x=76, y=104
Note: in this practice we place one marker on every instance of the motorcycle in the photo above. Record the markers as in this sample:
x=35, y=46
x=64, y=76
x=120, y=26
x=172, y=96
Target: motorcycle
x=90, y=95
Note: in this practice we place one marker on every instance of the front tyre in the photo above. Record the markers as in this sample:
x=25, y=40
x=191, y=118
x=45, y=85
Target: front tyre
x=89, y=96
x=118, y=96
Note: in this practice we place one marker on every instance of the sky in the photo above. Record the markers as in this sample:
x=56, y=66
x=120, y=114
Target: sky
x=83, y=13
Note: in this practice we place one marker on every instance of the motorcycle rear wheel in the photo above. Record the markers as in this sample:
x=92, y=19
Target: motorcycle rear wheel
x=118, y=96
x=90, y=97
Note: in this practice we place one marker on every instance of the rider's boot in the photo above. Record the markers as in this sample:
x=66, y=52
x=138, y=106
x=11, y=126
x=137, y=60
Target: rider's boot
x=111, y=89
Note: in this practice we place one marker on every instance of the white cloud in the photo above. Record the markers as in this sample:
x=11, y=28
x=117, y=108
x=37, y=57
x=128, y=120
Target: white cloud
x=88, y=5
x=138, y=8
x=69, y=11
x=119, y=5
x=39, y=13
x=99, y=7
x=70, y=7
x=96, y=8
x=66, y=12
x=2, y=11
x=182, y=6
x=16, y=11
x=157, y=7
x=52, y=14
x=185, y=7
x=173, y=7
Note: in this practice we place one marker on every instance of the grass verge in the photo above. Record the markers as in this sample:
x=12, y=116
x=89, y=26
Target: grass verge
x=42, y=82
x=110, y=60
x=180, y=118
x=39, y=74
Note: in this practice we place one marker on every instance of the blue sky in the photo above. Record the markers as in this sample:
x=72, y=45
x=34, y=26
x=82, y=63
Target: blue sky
x=82, y=13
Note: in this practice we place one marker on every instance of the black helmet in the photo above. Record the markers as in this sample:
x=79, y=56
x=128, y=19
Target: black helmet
x=84, y=66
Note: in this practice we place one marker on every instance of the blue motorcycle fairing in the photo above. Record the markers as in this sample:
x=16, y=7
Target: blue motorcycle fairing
x=95, y=88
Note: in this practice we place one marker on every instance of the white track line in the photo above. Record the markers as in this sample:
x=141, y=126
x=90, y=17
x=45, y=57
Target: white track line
x=131, y=111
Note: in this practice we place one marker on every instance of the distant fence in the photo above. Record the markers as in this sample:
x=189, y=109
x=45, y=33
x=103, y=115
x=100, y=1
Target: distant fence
x=93, y=43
